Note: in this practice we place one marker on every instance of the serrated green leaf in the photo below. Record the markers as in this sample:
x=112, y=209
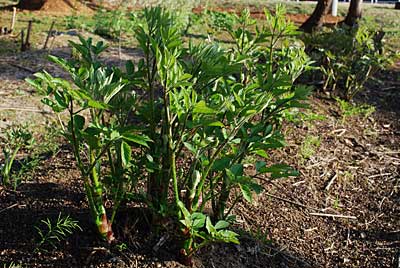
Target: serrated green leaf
x=126, y=153
x=198, y=220
x=221, y=164
x=246, y=192
x=279, y=171
x=141, y=140
x=210, y=227
x=221, y=225
x=201, y=108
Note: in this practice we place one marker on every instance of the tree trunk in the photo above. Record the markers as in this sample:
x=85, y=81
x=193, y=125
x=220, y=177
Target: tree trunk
x=315, y=20
x=31, y=4
x=354, y=13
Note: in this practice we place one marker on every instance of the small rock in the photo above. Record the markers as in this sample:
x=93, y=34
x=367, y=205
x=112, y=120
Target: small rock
x=346, y=260
x=363, y=235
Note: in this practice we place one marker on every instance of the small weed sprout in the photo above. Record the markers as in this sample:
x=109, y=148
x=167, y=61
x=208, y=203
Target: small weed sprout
x=348, y=109
x=309, y=146
x=122, y=247
x=56, y=231
x=298, y=116
x=12, y=265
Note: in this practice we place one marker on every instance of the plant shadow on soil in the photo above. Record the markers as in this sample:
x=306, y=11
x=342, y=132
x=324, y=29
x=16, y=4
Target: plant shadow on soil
x=33, y=201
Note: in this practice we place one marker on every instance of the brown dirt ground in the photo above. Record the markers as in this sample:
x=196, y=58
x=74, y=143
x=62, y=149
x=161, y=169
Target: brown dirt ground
x=358, y=157
x=256, y=13
x=64, y=6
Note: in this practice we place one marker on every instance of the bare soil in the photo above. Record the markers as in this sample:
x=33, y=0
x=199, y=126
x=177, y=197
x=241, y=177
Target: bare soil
x=259, y=14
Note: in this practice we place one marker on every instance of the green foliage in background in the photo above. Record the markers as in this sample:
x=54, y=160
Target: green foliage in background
x=347, y=58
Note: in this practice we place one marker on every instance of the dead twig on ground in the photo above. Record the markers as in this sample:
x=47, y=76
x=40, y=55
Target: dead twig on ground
x=292, y=202
x=9, y=207
x=333, y=178
x=286, y=254
x=25, y=110
x=22, y=67
x=333, y=215
x=379, y=175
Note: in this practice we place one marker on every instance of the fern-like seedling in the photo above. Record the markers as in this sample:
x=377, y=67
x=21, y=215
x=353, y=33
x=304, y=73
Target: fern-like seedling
x=12, y=265
x=56, y=232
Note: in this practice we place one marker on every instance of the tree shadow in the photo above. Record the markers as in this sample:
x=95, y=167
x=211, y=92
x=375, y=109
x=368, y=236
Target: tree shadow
x=37, y=5
x=383, y=91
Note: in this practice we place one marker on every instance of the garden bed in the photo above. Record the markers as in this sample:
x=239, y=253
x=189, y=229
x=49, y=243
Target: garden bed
x=343, y=210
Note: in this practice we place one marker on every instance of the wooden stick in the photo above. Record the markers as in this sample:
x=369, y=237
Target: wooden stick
x=379, y=175
x=22, y=41
x=4, y=209
x=28, y=36
x=13, y=20
x=331, y=182
x=33, y=110
x=333, y=215
x=48, y=35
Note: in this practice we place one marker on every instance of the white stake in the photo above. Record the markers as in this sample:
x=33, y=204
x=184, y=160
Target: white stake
x=13, y=19
x=334, y=7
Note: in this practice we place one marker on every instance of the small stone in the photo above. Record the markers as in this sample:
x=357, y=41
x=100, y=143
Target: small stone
x=363, y=235
x=346, y=260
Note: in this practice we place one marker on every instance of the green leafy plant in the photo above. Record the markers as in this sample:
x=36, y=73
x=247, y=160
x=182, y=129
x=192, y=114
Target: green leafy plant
x=198, y=227
x=112, y=24
x=16, y=138
x=55, y=232
x=202, y=113
x=208, y=115
x=108, y=99
x=79, y=22
x=309, y=146
x=122, y=247
x=336, y=202
x=345, y=66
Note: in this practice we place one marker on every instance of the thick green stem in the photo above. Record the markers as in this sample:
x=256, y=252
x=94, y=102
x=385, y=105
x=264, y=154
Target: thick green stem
x=171, y=150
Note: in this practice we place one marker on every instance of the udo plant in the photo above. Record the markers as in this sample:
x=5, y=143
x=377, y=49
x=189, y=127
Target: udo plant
x=208, y=109
x=98, y=106
x=203, y=111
